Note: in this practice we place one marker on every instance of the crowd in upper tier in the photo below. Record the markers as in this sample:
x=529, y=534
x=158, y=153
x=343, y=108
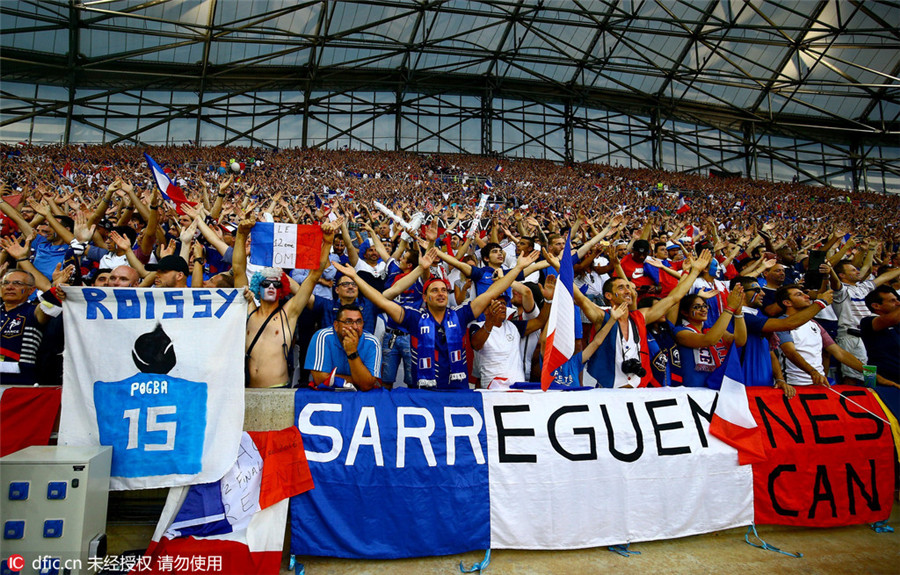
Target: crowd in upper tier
x=440, y=271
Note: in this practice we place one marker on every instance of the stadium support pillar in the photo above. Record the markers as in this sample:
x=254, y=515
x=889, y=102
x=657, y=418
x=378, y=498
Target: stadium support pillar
x=74, y=49
x=750, y=164
x=487, y=121
x=568, y=120
x=656, y=139
x=398, y=118
x=856, y=165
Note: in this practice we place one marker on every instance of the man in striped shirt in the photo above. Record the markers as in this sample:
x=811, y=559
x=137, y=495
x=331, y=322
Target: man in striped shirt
x=20, y=329
x=850, y=304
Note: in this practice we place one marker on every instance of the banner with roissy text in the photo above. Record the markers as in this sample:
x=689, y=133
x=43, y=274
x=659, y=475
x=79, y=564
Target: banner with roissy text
x=158, y=375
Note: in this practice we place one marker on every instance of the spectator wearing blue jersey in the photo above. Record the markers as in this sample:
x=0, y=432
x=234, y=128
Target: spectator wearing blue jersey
x=346, y=349
x=756, y=358
x=704, y=350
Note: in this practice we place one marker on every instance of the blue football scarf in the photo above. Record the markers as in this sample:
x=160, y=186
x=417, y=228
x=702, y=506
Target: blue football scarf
x=454, y=332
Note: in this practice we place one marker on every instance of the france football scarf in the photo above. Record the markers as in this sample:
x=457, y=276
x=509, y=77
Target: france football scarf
x=454, y=332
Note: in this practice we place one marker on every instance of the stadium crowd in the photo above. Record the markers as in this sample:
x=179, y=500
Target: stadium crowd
x=672, y=271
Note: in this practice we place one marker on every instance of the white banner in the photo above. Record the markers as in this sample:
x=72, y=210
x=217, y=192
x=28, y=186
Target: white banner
x=606, y=467
x=158, y=375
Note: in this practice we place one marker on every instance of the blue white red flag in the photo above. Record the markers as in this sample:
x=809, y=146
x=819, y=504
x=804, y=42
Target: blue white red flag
x=560, y=345
x=285, y=245
x=488, y=185
x=498, y=168
x=235, y=525
x=170, y=192
x=732, y=421
x=682, y=206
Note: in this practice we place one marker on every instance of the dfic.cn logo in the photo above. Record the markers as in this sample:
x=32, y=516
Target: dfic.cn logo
x=16, y=562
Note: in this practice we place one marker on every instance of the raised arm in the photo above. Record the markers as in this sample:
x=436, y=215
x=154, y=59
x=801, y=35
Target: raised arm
x=407, y=281
x=211, y=237
x=43, y=209
x=499, y=286
x=217, y=205
x=393, y=309
x=12, y=213
x=352, y=251
x=465, y=268
x=296, y=304
x=660, y=308
x=801, y=317
x=239, y=256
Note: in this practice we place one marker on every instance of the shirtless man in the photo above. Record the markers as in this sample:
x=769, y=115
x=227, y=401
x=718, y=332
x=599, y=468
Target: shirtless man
x=267, y=362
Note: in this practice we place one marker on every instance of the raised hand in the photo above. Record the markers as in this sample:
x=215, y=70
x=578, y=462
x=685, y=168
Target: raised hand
x=82, y=232
x=526, y=260
x=619, y=311
x=736, y=297
x=62, y=276
x=16, y=250
x=120, y=241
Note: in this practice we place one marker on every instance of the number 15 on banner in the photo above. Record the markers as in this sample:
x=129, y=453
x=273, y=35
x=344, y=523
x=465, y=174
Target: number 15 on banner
x=156, y=424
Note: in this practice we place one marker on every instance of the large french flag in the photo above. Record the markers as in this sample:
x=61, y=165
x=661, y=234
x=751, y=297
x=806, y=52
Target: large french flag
x=285, y=245
x=560, y=345
x=732, y=421
x=170, y=192
x=235, y=525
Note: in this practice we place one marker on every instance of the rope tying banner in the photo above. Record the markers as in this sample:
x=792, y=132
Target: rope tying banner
x=479, y=567
x=766, y=546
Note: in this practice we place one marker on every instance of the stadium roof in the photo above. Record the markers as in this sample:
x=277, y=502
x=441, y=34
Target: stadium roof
x=828, y=69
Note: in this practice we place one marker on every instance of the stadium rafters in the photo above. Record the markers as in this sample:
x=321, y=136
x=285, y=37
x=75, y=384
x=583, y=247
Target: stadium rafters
x=756, y=71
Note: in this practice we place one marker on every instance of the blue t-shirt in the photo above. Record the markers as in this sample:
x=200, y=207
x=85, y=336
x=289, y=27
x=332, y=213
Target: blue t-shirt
x=664, y=353
x=756, y=362
x=47, y=255
x=410, y=323
x=326, y=311
x=412, y=297
x=690, y=375
x=326, y=352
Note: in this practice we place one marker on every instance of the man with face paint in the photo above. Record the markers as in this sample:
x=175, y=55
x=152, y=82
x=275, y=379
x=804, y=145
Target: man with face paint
x=270, y=326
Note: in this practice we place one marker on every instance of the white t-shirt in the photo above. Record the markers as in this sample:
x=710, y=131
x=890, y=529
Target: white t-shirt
x=808, y=341
x=501, y=356
x=627, y=348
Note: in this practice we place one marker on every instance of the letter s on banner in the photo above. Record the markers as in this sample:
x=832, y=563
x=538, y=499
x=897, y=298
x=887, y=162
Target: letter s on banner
x=306, y=427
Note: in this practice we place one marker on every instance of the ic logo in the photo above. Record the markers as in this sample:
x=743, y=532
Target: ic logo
x=16, y=562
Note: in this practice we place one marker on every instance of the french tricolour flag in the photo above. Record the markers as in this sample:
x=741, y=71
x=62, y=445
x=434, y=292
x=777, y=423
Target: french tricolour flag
x=235, y=525
x=682, y=206
x=488, y=185
x=732, y=421
x=285, y=245
x=560, y=345
x=170, y=192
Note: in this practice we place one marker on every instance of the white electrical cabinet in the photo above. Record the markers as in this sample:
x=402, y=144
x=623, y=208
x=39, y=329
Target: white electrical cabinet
x=53, y=504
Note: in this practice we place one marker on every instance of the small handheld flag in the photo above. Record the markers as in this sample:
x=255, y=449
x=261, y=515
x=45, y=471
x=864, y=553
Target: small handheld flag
x=560, y=345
